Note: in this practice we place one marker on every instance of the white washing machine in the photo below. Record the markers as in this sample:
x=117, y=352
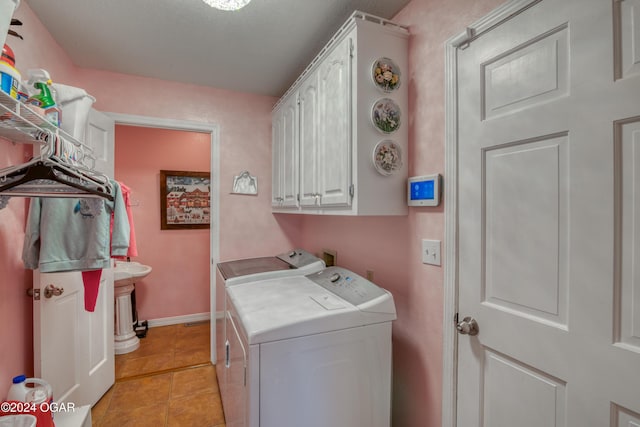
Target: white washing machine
x=296, y=262
x=309, y=351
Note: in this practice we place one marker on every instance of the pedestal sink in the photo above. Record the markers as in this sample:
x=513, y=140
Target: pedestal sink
x=125, y=274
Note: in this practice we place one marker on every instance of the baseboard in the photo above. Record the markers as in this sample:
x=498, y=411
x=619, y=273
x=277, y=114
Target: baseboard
x=176, y=320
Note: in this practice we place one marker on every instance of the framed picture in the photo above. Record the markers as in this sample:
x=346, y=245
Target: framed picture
x=184, y=200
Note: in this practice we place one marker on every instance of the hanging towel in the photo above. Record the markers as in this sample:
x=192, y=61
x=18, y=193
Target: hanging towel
x=126, y=196
x=91, y=281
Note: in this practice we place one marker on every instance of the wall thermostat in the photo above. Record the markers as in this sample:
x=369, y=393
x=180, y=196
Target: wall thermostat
x=424, y=190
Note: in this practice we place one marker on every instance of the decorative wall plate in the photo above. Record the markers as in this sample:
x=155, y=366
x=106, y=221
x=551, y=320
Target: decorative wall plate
x=386, y=115
x=386, y=74
x=387, y=157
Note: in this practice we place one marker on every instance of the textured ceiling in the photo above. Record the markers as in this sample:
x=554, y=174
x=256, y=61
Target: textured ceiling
x=260, y=49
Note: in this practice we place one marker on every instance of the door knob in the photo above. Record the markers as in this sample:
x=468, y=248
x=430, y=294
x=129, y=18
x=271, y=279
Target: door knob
x=52, y=290
x=468, y=326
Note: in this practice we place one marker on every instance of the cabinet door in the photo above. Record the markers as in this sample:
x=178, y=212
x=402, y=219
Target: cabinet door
x=334, y=126
x=276, y=153
x=290, y=152
x=309, y=141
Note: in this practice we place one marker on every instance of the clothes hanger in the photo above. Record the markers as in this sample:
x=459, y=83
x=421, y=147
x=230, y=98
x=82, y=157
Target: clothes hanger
x=57, y=172
x=31, y=183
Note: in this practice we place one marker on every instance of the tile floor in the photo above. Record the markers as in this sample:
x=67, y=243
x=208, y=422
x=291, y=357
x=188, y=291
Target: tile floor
x=169, y=381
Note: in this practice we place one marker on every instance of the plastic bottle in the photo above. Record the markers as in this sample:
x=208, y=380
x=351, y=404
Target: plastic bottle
x=26, y=389
x=39, y=79
x=44, y=98
x=10, y=79
x=18, y=390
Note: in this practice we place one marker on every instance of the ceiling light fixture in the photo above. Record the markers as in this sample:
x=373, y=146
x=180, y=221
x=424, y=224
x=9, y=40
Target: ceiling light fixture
x=227, y=4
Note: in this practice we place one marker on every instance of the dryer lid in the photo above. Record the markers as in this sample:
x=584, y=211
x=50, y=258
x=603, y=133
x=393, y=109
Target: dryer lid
x=290, y=260
x=245, y=267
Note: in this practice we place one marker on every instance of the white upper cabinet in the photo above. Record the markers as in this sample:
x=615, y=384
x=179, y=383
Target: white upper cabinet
x=285, y=154
x=276, y=153
x=340, y=132
x=333, y=155
x=309, y=119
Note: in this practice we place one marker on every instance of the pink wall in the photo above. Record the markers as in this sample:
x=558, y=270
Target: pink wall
x=179, y=282
x=247, y=226
x=16, y=314
x=390, y=246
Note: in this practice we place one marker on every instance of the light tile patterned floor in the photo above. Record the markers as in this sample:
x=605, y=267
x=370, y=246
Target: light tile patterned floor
x=168, y=381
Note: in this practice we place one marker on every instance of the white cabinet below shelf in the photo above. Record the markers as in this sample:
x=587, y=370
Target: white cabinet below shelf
x=324, y=136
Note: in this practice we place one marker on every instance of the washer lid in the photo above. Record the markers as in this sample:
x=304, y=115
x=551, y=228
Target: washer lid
x=290, y=307
x=294, y=262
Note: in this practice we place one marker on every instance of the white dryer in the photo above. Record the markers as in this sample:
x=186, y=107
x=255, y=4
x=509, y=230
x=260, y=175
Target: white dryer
x=296, y=262
x=310, y=351
x=293, y=263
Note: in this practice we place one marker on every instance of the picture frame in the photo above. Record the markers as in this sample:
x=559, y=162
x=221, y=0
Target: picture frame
x=185, y=200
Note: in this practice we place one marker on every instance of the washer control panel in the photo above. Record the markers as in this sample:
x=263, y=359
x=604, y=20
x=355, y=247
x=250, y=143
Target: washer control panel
x=347, y=285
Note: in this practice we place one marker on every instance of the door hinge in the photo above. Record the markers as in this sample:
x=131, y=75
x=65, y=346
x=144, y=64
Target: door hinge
x=455, y=319
x=352, y=190
x=470, y=34
x=351, y=48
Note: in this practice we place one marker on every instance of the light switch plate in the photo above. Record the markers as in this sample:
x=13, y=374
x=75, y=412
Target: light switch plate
x=431, y=252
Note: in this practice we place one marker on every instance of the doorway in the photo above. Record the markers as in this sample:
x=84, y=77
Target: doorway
x=195, y=134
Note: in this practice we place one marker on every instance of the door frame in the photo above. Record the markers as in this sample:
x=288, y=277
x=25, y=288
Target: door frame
x=214, y=197
x=450, y=336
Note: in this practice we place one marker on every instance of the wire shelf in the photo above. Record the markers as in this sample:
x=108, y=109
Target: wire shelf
x=20, y=123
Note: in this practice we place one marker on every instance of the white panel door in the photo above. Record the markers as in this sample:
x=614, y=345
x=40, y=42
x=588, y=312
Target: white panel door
x=549, y=235
x=309, y=122
x=73, y=348
x=285, y=154
x=276, y=158
x=334, y=128
x=290, y=152
x=100, y=136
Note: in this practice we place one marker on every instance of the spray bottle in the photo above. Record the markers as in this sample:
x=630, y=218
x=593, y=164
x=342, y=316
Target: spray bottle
x=40, y=80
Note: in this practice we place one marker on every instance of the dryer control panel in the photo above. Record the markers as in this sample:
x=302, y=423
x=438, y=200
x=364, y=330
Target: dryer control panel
x=347, y=285
x=297, y=258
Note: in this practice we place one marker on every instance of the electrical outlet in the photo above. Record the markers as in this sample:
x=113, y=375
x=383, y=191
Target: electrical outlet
x=431, y=252
x=330, y=257
x=370, y=275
